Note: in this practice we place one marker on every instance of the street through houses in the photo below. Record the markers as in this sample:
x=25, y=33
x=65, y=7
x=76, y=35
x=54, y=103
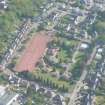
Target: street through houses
x=80, y=83
x=94, y=82
x=21, y=35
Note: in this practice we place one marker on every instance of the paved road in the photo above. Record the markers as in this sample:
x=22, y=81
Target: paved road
x=79, y=84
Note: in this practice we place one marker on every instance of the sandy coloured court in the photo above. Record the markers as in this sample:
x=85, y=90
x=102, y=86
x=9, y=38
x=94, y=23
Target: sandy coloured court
x=33, y=52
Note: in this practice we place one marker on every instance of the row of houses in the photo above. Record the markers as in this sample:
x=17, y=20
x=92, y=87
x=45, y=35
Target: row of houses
x=21, y=34
x=55, y=97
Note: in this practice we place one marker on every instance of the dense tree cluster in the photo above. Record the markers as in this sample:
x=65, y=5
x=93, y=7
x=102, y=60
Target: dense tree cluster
x=11, y=18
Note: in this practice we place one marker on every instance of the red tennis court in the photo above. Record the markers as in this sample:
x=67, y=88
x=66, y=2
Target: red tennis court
x=33, y=52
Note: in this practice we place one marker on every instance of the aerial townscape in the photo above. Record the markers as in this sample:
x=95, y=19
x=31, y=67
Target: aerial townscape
x=52, y=52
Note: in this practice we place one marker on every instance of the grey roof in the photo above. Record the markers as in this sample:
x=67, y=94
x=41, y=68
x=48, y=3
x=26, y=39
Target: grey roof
x=1, y=5
x=7, y=97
